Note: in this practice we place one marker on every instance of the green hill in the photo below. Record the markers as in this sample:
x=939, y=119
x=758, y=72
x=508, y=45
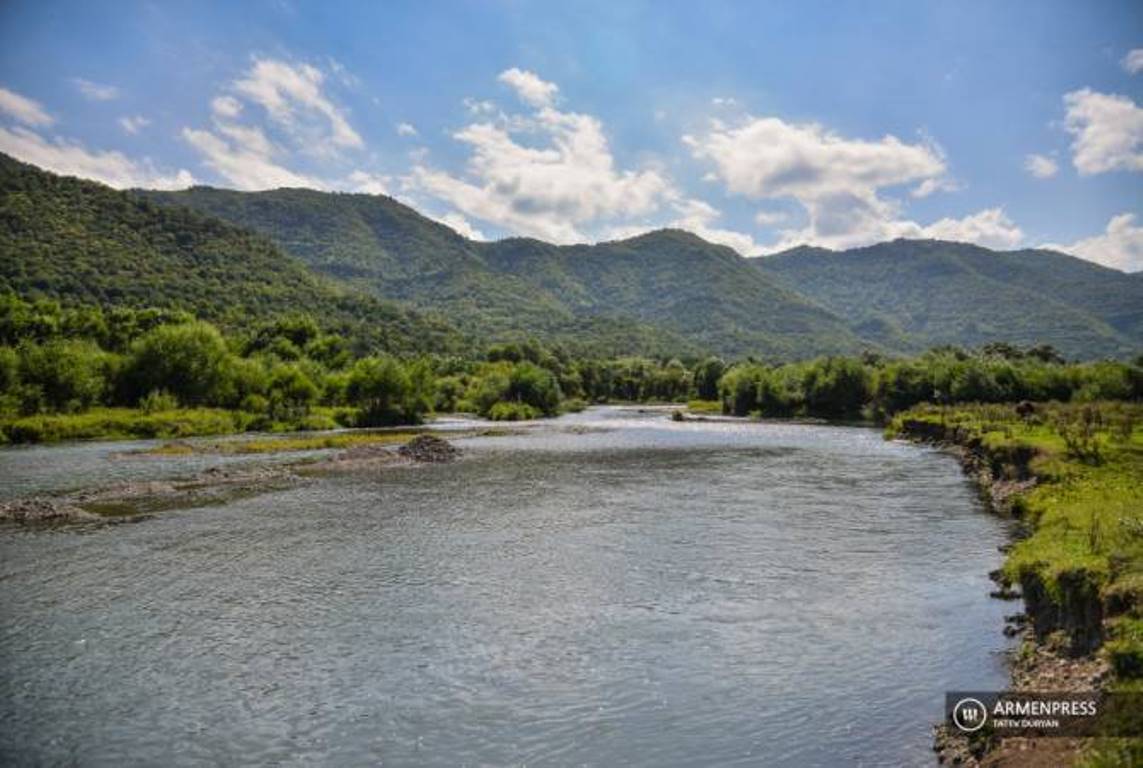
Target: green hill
x=80, y=242
x=913, y=294
x=662, y=292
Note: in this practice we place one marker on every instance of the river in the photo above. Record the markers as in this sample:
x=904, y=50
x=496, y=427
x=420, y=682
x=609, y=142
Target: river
x=609, y=588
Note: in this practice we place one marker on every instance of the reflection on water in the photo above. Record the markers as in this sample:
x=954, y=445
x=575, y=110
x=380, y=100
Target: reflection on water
x=610, y=589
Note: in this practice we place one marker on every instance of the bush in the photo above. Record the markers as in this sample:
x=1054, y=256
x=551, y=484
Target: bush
x=510, y=411
x=63, y=376
x=158, y=400
x=190, y=361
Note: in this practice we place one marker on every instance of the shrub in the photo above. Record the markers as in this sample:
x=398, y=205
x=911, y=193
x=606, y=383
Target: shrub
x=158, y=400
x=512, y=411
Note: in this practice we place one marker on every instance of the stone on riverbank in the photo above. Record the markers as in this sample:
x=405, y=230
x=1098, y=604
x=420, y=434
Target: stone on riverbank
x=426, y=448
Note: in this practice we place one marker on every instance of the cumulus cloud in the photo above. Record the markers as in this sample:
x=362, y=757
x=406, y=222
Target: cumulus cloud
x=529, y=87
x=23, y=109
x=770, y=218
x=700, y=217
x=547, y=174
x=226, y=106
x=478, y=107
x=133, y=125
x=244, y=157
x=271, y=114
x=95, y=91
x=768, y=157
x=1133, y=61
x=73, y=159
x=1119, y=247
x=292, y=93
x=1041, y=166
x=461, y=225
x=991, y=228
x=368, y=183
x=406, y=129
x=1107, y=131
x=838, y=181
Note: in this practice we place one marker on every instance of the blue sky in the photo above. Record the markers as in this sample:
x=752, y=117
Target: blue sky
x=760, y=125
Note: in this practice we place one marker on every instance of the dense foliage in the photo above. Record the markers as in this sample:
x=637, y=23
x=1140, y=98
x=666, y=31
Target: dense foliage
x=84, y=245
x=873, y=387
x=908, y=295
x=290, y=373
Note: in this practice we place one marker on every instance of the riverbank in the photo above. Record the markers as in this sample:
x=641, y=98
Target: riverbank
x=223, y=484
x=1071, y=476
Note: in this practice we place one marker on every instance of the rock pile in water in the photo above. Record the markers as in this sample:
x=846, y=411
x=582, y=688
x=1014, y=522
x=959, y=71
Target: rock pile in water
x=427, y=448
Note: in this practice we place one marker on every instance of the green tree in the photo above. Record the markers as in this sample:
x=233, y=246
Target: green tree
x=190, y=361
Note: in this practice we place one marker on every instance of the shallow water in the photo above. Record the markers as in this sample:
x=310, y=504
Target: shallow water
x=609, y=589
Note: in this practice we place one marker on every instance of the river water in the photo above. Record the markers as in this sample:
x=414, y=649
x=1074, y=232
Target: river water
x=610, y=588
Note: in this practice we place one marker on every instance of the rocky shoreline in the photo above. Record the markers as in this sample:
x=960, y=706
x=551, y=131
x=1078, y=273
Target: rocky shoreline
x=1057, y=646
x=216, y=485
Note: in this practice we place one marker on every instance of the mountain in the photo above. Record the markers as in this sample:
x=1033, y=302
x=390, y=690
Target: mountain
x=359, y=262
x=666, y=291
x=912, y=294
x=80, y=242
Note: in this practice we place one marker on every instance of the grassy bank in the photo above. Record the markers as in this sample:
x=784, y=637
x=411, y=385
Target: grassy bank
x=1073, y=475
x=136, y=423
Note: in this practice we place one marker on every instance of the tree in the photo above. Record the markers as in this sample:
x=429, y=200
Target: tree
x=190, y=361
x=706, y=376
x=385, y=393
x=63, y=375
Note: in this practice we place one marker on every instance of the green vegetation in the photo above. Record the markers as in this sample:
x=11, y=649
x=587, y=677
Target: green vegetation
x=285, y=444
x=84, y=245
x=908, y=295
x=661, y=294
x=874, y=388
x=1082, y=562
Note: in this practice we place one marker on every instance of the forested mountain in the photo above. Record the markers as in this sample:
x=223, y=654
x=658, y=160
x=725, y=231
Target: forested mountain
x=913, y=294
x=665, y=290
x=233, y=257
x=79, y=242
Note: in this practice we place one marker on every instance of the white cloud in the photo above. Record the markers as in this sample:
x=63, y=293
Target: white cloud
x=95, y=91
x=478, y=108
x=1041, y=166
x=837, y=180
x=991, y=228
x=226, y=106
x=73, y=159
x=1133, y=61
x=770, y=218
x=557, y=186
x=529, y=87
x=369, y=183
x=253, y=150
x=1108, y=131
x=768, y=157
x=244, y=157
x=461, y=225
x=292, y=93
x=23, y=109
x=699, y=217
x=133, y=125
x=406, y=129
x=1119, y=247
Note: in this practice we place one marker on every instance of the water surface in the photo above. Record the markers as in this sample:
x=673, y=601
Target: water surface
x=612, y=588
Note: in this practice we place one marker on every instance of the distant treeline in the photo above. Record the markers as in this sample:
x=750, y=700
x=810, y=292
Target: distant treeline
x=288, y=373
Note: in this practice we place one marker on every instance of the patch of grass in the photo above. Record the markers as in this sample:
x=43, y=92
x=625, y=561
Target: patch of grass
x=122, y=423
x=1086, y=511
x=286, y=444
x=705, y=406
